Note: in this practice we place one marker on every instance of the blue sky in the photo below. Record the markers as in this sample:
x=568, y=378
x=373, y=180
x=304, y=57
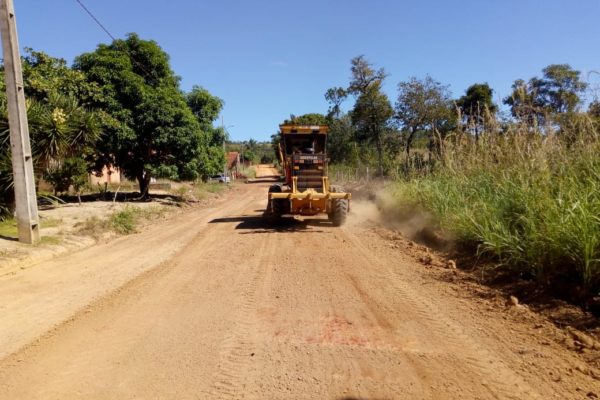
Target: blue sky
x=268, y=59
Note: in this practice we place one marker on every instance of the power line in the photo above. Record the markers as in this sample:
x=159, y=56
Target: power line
x=95, y=19
x=115, y=41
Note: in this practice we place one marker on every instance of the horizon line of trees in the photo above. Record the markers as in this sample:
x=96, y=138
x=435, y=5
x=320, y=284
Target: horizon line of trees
x=375, y=132
x=121, y=106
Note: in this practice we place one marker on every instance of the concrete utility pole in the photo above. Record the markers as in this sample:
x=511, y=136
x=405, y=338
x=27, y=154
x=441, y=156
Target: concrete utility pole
x=24, y=183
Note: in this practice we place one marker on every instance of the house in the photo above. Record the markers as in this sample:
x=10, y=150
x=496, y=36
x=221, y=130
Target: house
x=107, y=176
x=233, y=164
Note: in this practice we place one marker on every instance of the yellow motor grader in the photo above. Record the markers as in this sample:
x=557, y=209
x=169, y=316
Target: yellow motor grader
x=306, y=190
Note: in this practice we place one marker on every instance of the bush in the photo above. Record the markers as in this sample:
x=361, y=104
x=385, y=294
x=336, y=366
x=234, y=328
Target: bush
x=72, y=172
x=529, y=201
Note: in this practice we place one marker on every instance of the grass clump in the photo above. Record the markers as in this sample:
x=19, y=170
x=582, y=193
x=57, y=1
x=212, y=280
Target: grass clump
x=49, y=240
x=124, y=222
x=8, y=228
x=93, y=227
x=530, y=201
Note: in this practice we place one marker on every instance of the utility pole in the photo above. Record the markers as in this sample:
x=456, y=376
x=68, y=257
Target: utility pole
x=24, y=183
x=224, y=149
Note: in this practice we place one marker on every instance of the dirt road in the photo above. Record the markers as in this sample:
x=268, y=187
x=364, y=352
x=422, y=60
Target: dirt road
x=239, y=309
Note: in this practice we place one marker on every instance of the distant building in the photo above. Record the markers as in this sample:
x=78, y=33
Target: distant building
x=108, y=176
x=233, y=164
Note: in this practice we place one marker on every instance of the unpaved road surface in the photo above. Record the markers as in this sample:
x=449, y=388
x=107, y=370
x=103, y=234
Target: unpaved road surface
x=237, y=308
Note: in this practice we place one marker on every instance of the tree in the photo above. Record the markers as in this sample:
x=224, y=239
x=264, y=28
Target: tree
x=156, y=133
x=372, y=109
x=560, y=88
x=341, y=141
x=558, y=92
x=306, y=119
x=523, y=103
x=335, y=97
x=206, y=108
x=423, y=105
x=72, y=171
x=477, y=105
x=62, y=121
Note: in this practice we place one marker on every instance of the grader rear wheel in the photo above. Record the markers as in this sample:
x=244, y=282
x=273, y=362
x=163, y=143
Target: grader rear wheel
x=339, y=212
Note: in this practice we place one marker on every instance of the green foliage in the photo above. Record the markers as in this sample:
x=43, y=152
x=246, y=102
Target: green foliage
x=478, y=97
x=306, y=119
x=424, y=106
x=62, y=123
x=206, y=109
x=205, y=106
x=124, y=221
x=557, y=92
x=529, y=202
x=477, y=106
x=71, y=172
x=372, y=110
x=8, y=227
x=253, y=151
x=47, y=76
x=128, y=219
x=335, y=97
x=156, y=133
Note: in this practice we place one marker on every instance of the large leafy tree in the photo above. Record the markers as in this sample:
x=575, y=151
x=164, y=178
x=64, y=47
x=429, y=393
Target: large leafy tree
x=372, y=110
x=423, y=105
x=477, y=106
x=206, y=108
x=557, y=92
x=156, y=133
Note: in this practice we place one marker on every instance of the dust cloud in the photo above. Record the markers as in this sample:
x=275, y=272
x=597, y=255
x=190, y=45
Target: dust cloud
x=380, y=208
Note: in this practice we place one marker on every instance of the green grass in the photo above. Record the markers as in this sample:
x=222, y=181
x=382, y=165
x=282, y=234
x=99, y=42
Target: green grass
x=249, y=172
x=50, y=222
x=198, y=191
x=8, y=228
x=534, y=209
x=93, y=227
x=49, y=240
x=124, y=222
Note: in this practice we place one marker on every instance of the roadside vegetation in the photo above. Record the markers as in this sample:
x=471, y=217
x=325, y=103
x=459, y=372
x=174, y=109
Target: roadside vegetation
x=515, y=184
x=124, y=221
x=119, y=106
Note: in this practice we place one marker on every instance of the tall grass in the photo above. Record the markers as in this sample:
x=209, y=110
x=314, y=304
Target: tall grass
x=528, y=199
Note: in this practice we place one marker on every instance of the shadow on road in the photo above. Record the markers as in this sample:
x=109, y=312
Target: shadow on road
x=265, y=179
x=10, y=238
x=262, y=224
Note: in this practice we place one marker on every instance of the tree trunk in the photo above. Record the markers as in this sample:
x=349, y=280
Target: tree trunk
x=143, y=179
x=409, y=140
x=379, y=156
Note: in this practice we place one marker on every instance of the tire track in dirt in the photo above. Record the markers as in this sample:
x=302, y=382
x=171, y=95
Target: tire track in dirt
x=250, y=310
x=501, y=382
x=231, y=380
x=173, y=281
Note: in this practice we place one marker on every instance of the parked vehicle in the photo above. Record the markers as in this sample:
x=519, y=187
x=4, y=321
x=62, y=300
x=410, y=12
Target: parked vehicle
x=219, y=178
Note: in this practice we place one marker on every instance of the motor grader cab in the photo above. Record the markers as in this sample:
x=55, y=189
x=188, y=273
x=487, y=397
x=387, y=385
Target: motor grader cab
x=306, y=190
